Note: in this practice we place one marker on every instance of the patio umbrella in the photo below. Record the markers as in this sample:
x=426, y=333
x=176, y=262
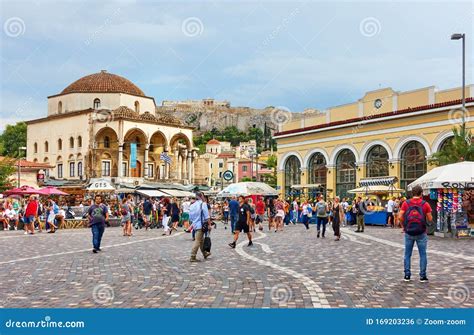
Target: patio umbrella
x=457, y=175
x=50, y=190
x=24, y=190
x=246, y=189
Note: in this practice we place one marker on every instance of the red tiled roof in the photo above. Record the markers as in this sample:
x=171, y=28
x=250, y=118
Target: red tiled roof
x=25, y=164
x=103, y=82
x=213, y=141
x=378, y=116
x=226, y=155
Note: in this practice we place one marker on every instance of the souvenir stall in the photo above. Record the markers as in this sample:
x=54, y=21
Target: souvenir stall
x=376, y=192
x=452, y=187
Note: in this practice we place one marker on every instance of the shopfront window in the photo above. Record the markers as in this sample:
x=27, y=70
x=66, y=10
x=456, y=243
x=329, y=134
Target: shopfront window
x=317, y=174
x=413, y=163
x=345, y=173
x=377, y=162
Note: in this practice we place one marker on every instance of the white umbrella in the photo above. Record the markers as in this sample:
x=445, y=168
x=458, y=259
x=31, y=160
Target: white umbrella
x=375, y=189
x=100, y=185
x=246, y=189
x=457, y=175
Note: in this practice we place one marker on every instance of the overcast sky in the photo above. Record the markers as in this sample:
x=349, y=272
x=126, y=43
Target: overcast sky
x=298, y=55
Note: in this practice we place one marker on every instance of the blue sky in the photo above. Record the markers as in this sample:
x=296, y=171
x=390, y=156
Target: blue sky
x=299, y=55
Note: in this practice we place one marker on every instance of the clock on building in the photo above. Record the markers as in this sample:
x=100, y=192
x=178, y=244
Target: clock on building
x=378, y=103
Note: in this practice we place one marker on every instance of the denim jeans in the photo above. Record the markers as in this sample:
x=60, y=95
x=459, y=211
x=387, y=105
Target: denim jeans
x=422, y=244
x=97, y=232
x=295, y=216
x=321, y=221
x=233, y=221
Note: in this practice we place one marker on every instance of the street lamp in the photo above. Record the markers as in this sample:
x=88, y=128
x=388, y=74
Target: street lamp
x=459, y=36
x=19, y=164
x=256, y=153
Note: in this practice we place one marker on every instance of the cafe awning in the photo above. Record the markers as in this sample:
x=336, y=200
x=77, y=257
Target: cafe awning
x=152, y=193
x=387, y=181
x=178, y=193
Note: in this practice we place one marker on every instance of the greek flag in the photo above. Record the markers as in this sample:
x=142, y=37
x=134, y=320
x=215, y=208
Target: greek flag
x=164, y=157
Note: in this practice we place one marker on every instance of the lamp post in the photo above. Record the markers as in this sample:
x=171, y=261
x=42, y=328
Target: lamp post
x=462, y=36
x=19, y=165
x=256, y=153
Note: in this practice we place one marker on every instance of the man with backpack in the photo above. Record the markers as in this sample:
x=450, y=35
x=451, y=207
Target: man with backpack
x=98, y=216
x=415, y=215
x=321, y=215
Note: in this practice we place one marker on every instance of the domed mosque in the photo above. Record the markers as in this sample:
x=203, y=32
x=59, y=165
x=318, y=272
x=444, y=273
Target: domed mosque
x=104, y=126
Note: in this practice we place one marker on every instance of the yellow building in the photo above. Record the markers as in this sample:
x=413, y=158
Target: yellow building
x=384, y=134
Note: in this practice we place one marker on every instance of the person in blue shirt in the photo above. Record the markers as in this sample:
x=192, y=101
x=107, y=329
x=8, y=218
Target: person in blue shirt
x=198, y=212
x=234, y=212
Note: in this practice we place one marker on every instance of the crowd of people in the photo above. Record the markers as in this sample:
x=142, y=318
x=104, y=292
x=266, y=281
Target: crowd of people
x=198, y=216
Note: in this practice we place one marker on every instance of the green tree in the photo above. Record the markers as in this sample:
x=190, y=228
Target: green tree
x=7, y=168
x=13, y=138
x=459, y=148
x=272, y=162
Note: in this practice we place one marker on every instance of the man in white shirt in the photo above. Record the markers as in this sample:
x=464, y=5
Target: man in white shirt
x=198, y=212
x=185, y=213
x=390, y=219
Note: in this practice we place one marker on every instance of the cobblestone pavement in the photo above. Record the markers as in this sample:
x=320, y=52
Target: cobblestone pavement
x=285, y=269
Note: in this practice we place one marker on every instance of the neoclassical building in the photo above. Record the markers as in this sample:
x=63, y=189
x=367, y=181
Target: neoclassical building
x=384, y=134
x=103, y=125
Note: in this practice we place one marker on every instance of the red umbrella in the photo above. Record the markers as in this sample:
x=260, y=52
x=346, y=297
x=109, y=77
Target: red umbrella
x=24, y=190
x=50, y=190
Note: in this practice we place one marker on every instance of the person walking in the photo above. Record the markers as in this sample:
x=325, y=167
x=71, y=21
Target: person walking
x=147, y=212
x=175, y=211
x=234, y=213
x=185, y=213
x=242, y=223
x=225, y=213
x=31, y=213
x=360, y=210
x=280, y=214
x=98, y=216
x=126, y=217
x=321, y=216
x=338, y=218
x=260, y=211
x=305, y=208
x=295, y=212
x=390, y=218
x=415, y=215
x=199, y=218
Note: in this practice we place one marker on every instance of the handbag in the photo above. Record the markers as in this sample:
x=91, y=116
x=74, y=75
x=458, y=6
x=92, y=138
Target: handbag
x=207, y=244
x=204, y=223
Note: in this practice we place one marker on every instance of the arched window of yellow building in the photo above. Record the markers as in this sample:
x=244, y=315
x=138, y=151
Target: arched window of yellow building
x=317, y=174
x=413, y=163
x=377, y=162
x=345, y=173
x=292, y=174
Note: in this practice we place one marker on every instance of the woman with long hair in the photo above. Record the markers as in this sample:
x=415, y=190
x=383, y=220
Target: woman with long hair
x=337, y=218
x=126, y=217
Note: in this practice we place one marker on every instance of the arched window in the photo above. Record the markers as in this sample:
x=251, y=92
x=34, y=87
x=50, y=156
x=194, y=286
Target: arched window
x=46, y=146
x=446, y=143
x=292, y=174
x=413, y=163
x=71, y=142
x=317, y=174
x=377, y=162
x=79, y=141
x=106, y=142
x=60, y=144
x=137, y=141
x=345, y=172
x=60, y=107
x=79, y=169
x=96, y=103
x=137, y=107
x=35, y=148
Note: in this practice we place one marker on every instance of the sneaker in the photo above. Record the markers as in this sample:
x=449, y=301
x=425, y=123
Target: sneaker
x=232, y=245
x=94, y=251
x=16, y=228
x=250, y=244
x=194, y=259
x=406, y=278
x=207, y=254
x=317, y=235
x=25, y=233
x=424, y=279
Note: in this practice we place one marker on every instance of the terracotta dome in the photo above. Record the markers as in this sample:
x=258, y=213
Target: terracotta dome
x=103, y=82
x=213, y=141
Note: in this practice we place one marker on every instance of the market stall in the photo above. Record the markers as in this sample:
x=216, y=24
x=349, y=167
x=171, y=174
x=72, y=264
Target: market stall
x=376, y=191
x=452, y=188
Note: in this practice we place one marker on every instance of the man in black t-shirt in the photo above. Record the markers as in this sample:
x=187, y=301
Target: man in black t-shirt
x=147, y=212
x=243, y=222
